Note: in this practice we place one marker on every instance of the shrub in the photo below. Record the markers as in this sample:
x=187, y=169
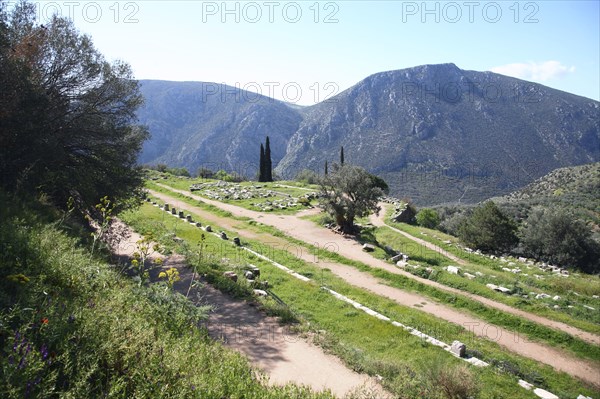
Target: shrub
x=428, y=218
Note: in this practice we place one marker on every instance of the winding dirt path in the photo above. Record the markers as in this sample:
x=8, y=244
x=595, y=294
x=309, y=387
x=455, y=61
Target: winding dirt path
x=379, y=221
x=284, y=356
x=308, y=232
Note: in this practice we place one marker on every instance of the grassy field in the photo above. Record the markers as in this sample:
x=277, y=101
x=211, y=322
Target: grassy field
x=575, y=291
x=363, y=342
x=525, y=328
x=71, y=325
x=281, y=197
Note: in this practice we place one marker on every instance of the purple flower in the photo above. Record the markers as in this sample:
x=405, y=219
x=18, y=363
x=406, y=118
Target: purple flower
x=44, y=352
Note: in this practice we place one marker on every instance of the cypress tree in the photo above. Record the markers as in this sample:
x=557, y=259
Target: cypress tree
x=342, y=156
x=268, y=163
x=325, y=168
x=261, y=164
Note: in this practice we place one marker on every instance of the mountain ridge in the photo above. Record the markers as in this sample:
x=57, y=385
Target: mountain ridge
x=436, y=133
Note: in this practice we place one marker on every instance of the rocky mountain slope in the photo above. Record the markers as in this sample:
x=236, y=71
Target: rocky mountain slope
x=198, y=124
x=435, y=133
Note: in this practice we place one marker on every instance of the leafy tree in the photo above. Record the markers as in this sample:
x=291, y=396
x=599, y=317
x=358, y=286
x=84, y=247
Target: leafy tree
x=268, y=162
x=379, y=182
x=428, y=217
x=557, y=236
x=348, y=192
x=205, y=173
x=261, y=164
x=67, y=116
x=488, y=229
x=161, y=167
x=307, y=177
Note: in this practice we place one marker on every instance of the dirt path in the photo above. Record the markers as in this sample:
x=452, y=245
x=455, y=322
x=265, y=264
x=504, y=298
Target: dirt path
x=283, y=355
x=308, y=232
x=379, y=221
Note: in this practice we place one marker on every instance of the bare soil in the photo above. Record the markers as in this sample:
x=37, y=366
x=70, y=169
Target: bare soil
x=308, y=232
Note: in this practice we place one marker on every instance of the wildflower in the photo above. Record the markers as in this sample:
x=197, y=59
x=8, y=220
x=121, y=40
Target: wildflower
x=44, y=352
x=45, y=320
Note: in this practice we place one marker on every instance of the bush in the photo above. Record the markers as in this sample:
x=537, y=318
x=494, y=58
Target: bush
x=307, y=177
x=557, y=236
x=488, y=229
x=428, y=218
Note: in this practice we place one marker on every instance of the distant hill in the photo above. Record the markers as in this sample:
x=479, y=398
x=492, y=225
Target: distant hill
x=435, y=133
x=576, y=188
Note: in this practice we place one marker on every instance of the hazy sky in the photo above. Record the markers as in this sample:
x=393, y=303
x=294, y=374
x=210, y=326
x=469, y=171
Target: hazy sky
x=305, y=51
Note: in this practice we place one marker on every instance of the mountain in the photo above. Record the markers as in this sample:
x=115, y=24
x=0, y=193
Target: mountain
x=435, y=133
x=202, y=124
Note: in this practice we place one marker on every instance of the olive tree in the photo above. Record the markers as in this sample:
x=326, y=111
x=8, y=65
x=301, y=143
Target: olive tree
x=68, y=119
x=348, y=192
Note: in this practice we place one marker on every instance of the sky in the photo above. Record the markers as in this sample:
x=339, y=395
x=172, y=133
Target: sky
x=305, y=52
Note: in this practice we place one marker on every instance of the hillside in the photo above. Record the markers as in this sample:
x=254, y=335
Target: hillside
x=198, y=124
x=435, y=133
x=574, y=187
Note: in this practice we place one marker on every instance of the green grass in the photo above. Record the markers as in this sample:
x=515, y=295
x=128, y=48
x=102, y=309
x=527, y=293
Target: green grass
x=565, y=287
x=278, y=187
x=72, y=326
x=365, y=343
x=525, y=328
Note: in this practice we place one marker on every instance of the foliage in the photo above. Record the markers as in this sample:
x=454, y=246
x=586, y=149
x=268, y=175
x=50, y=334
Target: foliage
x=67, y=120
x=379, y=182
x=205, y=173
x=228, y=177
x=557, y=236
x=348, y=192
x=74, y=327
x=488, y=229
x=428, y=217
x=268, y=162
x=307, y=177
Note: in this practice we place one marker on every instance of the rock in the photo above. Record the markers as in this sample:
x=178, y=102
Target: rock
x=458, y=348
x=526, y=385
x=542, y=296
x=231, y=275
x=544, y=394
x=237, y=241
x=556, y=307
x=255, y=271
x=260, y=293
x=469, y=276
x=492, y=286
x=504, y=290
x=401, y=264
x=396, y=258
x=589, y=307
x=368, y=248
x=584, y=397
x=249, y=275
x=452, y=269
x=556, y=298
x=208, y=228
x=595, y=296
x=479, y=274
